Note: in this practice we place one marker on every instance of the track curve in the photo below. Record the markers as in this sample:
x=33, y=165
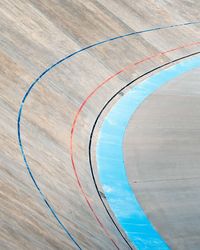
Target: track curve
x=30, y=89
x=42, y=206
x=93, y=127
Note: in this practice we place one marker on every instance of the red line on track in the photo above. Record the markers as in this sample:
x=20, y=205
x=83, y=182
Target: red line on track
x=79, y=111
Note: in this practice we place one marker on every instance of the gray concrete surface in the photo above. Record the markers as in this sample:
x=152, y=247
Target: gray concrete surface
x=162, y=156
x=34, y=35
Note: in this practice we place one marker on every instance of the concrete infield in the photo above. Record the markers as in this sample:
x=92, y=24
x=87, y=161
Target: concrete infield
x=35, y=35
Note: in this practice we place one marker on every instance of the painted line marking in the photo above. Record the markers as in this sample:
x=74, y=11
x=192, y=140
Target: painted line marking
x=36, y=81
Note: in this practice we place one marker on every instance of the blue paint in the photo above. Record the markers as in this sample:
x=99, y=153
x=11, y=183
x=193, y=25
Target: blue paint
x=111, y=163
x=36, y=81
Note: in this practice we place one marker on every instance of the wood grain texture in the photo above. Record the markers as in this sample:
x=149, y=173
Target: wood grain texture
x=34, y=35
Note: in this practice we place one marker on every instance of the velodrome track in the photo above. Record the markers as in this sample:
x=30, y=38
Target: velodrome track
x=55, y=111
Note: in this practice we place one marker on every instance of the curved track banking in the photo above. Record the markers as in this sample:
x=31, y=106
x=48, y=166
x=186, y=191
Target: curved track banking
x=28, y=92
x=93, y=128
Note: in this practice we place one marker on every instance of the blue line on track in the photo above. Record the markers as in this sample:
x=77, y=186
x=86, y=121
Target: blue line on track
x=40, y=77
x=110, y=159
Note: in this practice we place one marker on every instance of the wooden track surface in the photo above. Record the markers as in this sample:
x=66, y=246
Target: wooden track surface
x=34, y=35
